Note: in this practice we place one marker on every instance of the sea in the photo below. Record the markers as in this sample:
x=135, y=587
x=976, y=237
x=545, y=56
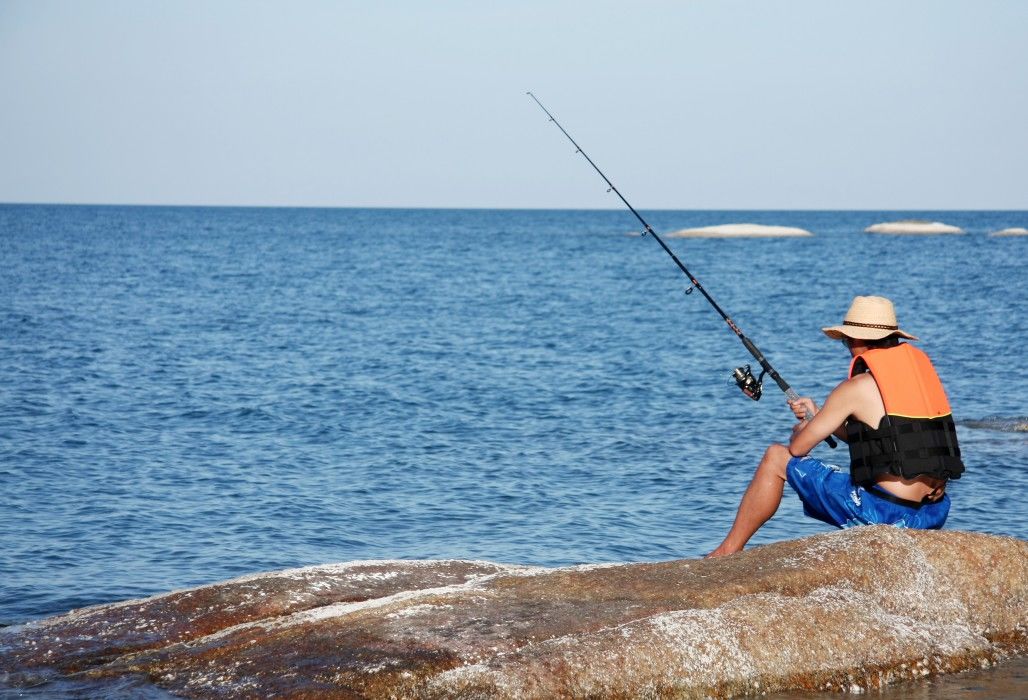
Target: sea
x=189, y=394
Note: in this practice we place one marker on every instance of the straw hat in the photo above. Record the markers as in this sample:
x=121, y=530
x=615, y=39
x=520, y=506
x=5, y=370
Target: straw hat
x=869, y=318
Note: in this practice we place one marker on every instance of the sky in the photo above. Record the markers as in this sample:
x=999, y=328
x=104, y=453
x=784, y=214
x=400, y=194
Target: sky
x=705, y=104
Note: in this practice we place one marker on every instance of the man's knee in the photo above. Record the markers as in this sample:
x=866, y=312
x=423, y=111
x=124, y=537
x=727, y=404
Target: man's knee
x=776, y=458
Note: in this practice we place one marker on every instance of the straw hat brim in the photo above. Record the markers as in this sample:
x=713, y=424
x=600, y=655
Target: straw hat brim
x=864, y=332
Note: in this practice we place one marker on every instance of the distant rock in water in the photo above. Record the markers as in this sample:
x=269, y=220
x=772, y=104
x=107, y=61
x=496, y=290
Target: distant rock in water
x=1003, y=425
x=913, y=226
x=847, y=610
x=739, y=231
x=1011, y=232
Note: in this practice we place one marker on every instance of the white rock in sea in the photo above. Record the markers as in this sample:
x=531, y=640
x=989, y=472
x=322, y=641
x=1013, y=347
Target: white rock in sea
x=1011, y=232
x=861, y=607
x=913, y=226
x=739, y=231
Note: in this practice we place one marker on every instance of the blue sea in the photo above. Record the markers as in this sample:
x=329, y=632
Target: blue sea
x=191, y=394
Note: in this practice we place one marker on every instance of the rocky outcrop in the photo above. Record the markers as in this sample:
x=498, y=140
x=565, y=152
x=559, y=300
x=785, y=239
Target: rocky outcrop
x=855, y=608
x=913, y=226
x=740, y=231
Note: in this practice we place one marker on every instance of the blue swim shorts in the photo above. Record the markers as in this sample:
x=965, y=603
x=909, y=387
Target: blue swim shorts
x=829, y=495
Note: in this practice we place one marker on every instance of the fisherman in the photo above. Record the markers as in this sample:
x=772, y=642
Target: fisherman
x=893, y=412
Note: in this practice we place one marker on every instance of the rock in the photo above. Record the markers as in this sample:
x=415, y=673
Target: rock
x=739, y=231
x=1011, y=232
x=853, y=609
x=913, y=226
x=998, y=423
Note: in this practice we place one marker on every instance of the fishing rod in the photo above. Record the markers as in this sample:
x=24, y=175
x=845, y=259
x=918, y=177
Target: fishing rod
x=750, y=385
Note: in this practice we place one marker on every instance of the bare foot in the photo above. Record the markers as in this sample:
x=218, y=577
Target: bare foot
x=721, y=551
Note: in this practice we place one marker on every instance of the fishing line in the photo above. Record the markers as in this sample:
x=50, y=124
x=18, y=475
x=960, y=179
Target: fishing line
x=750, y=385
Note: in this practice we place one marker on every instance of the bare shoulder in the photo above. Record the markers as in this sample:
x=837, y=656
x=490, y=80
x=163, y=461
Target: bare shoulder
x=855, y=390
x=863, y=383
x=859, y=383
x=859, y=397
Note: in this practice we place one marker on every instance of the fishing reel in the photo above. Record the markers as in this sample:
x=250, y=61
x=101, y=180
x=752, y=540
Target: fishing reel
x=750, y=385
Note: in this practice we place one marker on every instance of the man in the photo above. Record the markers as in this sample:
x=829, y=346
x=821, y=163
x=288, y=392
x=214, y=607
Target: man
x=893, y=412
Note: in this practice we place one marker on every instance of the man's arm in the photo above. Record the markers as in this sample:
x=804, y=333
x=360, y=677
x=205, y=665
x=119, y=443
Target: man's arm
x=805, y=406
x=831, y=419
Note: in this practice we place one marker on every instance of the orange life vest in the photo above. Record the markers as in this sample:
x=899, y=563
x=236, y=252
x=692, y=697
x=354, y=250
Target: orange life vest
x=917, y=436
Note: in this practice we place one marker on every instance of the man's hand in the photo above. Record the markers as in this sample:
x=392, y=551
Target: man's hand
x=829, y=419
x=803, y=407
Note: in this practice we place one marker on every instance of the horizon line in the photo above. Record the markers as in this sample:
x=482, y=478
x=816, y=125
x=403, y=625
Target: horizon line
x=486, y=208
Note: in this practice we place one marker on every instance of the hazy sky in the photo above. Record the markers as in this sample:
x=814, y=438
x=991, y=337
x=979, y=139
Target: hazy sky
x=705, y=104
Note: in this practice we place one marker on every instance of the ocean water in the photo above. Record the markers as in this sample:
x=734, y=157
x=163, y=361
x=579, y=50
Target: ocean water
x=191, y=394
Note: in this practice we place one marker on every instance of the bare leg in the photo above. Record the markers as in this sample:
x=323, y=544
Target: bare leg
x=759, y=502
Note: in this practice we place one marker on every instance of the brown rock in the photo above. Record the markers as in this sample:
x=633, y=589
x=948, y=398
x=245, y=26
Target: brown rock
x=861, y=607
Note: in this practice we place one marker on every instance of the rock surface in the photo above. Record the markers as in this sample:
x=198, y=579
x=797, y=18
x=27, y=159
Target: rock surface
x=1011, y=232
x=739, y=231
x=913, y=227
x=848, y=609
